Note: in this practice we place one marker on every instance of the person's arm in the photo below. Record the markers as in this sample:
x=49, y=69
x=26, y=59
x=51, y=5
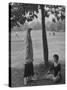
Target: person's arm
x=51, y=68
x=59, y=70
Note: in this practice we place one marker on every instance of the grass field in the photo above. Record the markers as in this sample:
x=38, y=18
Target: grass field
x=56, y=44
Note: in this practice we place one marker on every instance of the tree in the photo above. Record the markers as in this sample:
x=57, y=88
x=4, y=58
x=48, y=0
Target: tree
x=45, y=45
x=20, y=10
x=45, y=13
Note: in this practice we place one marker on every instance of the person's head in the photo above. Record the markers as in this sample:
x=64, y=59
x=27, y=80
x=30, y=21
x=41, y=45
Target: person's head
x=29, y=29
x=56, y=58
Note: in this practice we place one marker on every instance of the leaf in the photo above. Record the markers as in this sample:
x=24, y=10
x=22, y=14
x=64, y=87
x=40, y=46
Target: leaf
x=46, y=14
x=35, y=16
x=62, y=17
x=58, y=18
x=29, y=19
x=54, y=20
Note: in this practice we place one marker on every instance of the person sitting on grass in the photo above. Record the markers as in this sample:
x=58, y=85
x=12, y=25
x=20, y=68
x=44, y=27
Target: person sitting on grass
x=56, y=68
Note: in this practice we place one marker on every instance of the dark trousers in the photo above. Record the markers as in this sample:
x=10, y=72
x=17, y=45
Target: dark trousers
x=28, y=70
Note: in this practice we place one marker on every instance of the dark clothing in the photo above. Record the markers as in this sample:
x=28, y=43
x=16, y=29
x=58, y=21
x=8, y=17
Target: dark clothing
x=28, y=70
x=29, y=49
x=56, y=69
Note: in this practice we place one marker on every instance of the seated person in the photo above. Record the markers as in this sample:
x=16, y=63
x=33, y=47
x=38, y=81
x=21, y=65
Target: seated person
x=56, y=68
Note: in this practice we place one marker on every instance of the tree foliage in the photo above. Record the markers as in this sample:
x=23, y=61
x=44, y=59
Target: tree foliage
x=19, y=12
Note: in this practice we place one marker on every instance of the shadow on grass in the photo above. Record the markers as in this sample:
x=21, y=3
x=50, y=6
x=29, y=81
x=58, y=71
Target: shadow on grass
x=40, y=70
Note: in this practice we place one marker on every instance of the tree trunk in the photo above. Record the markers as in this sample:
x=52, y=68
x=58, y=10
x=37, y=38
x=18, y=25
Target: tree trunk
x=45, y=46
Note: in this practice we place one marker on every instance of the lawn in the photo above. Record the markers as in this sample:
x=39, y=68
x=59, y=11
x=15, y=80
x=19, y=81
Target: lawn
x=40, y=70
x=56, y=45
